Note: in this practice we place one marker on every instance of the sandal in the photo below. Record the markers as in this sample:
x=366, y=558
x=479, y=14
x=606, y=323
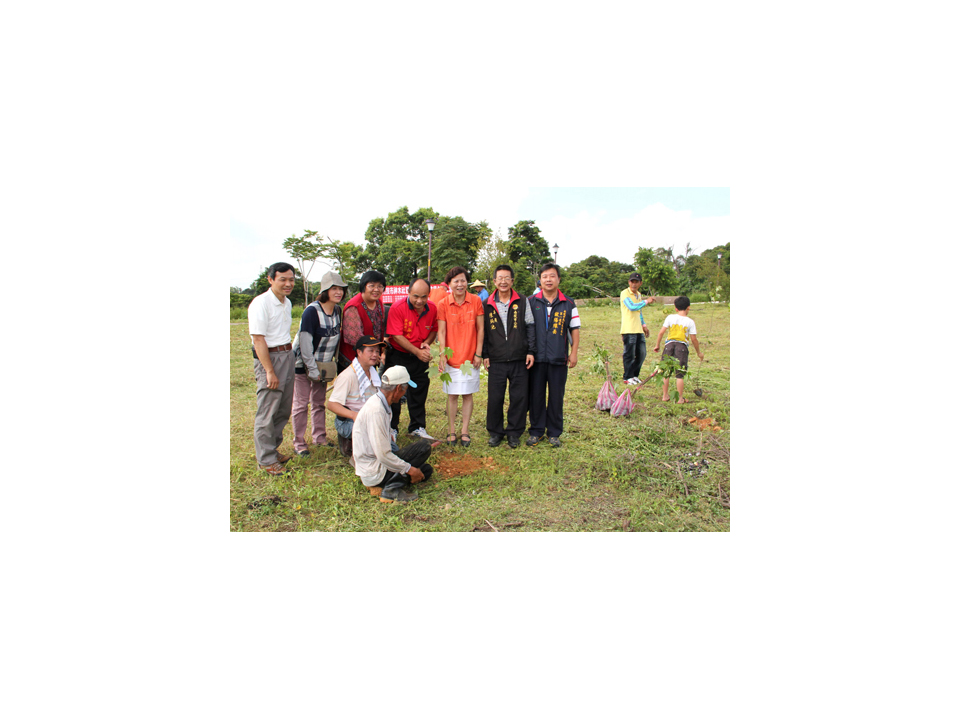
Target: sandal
x=452, y=439
x=465, y=440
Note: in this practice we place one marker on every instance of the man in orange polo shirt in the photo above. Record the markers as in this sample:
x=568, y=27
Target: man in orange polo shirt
x=411, y=329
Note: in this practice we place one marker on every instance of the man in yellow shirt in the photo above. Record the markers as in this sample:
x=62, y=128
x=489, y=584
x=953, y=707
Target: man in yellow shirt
x=633, y=330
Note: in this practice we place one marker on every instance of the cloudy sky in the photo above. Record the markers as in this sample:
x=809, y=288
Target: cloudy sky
x=612, y=222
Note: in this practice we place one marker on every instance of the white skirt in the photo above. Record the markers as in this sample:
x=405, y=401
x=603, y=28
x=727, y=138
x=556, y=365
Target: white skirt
x=460, y=384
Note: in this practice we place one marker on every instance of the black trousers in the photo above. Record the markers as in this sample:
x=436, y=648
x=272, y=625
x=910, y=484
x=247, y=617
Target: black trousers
x=416, y=454
x=416, y=397
x=500, y=374
x=634, y=352
x=544, y=413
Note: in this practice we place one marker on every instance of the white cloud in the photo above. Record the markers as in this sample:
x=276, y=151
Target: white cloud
x=656, y=226
x=344, y=210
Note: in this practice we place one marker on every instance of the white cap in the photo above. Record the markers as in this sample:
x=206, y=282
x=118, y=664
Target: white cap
x=397, y=375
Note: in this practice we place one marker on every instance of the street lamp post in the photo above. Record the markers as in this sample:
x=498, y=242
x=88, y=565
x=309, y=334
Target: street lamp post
x=430, y=225
x=555, y=248
x=719, y=271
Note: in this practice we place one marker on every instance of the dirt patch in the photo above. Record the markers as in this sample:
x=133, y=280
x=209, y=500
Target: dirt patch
x=704, y=423
x=449, y=465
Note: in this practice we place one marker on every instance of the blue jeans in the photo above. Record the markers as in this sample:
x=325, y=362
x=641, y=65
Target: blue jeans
x=634, y=352
x=344, y=427
x=345, y=430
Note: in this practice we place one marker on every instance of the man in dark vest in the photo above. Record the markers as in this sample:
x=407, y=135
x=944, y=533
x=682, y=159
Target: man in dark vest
x=557, y=324
x=509, y=341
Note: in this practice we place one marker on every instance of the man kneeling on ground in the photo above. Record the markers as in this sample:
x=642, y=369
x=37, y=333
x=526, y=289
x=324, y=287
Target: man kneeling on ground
x=386, y=473
x=353, y=387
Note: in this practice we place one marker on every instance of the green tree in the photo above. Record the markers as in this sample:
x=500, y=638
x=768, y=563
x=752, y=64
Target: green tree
x=526, y=246
x=701, y=274
x=398, y=246
x=492, y=252
x=304, y=250
x=714, y=272
x=576, y=287
x=524, y=281
x=608, y=277
x=659, y=277
x=239, y=299
x=343, y=256
x=457, y=242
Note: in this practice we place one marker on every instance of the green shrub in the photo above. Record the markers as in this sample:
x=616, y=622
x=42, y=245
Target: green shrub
x=601, y=302
x=699, y=297
x=240, y=313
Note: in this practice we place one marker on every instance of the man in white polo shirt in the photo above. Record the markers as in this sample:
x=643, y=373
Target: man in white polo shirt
x=270, y=316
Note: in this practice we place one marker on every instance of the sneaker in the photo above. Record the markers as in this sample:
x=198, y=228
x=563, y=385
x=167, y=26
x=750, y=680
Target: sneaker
x=495, y=440
x=303, y=453
x=397, y=493
x=531, y=441
x=422, y=433
x=634, y=381
x=345, y=445
x=281, y=458
x=514, y=442
x=275, y=469
x=554, y=441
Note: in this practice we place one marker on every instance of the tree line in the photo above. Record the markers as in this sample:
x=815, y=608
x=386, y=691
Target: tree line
x=397, y=246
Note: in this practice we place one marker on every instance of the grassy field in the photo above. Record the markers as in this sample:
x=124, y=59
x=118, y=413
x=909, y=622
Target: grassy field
x=651, y=471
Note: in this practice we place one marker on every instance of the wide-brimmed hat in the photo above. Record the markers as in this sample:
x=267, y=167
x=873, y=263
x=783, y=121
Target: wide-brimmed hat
x=478, y=283
x=331, y=279
x=397, y=375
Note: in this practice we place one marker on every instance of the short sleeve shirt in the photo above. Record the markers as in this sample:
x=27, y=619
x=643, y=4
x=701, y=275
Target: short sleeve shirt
x=679, y=329
x=346, y=390
x=403, y=320
x=461, y=331
x=324, y=329
x=271, y=318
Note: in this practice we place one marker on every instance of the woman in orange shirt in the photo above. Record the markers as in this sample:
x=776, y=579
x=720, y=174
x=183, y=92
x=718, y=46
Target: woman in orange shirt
x=460, y=328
